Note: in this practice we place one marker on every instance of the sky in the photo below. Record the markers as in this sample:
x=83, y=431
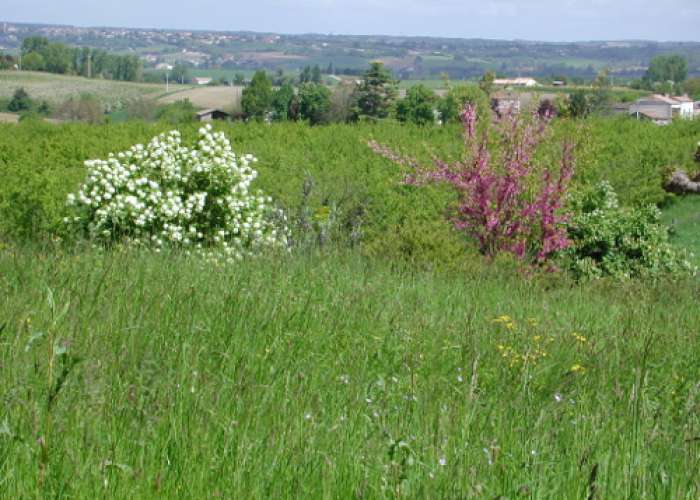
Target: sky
x=546, y=20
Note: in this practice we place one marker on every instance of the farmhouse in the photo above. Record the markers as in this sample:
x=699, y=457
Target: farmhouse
x=515, y=82
x=662, y=109
x=514, y=102
x=202, y=80
x=207, y=115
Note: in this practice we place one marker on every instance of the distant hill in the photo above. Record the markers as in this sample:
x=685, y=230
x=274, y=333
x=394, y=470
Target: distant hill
x=409, y=57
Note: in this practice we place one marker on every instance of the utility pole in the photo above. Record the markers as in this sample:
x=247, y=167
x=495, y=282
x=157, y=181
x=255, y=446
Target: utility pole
x=167, y=83
x=20, y=60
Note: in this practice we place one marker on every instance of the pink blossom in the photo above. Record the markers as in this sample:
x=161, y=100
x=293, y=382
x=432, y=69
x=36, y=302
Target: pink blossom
x=502, y=203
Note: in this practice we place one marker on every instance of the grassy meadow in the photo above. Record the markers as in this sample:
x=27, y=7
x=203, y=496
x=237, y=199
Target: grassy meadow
x=55, y=89
x=334, y=376
x=381, y=358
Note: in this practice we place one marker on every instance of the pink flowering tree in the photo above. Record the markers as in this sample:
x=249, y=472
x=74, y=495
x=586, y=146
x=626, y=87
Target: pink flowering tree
x=505, y=202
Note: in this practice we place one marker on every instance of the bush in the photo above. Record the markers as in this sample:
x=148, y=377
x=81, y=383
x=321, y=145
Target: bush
x=506, y=201
x=166, y=194
x=20, y=101
x=177, y=112
x=417, y=107
x=85, y=108
x=610, y=240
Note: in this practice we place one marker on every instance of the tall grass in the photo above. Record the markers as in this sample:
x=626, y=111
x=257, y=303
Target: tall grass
x=330, y=376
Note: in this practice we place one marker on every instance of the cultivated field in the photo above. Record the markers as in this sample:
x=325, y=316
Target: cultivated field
x=226, y=98
x=57, y=88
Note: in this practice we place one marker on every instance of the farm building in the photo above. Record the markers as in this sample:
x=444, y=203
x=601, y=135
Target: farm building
x=515, y=82
x=208, y=115
x=662, y=109
x=202, y=80
x=515, y=102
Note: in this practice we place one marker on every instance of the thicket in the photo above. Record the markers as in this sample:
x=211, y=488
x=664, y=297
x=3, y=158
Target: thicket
x=327, y=179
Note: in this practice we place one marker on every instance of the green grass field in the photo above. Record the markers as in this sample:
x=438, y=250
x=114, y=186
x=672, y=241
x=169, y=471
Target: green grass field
x=683, y=217
x=57, y=88
x=331, y=376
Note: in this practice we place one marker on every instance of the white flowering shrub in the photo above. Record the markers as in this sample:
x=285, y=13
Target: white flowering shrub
x=168, y=194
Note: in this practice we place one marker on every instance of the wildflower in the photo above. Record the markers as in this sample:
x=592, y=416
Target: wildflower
x=442, y=461
x=579, y=337
x=503, y=319
x=558, y=397
x=578, y=369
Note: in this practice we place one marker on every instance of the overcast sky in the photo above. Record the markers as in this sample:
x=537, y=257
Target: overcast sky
x=554, y=20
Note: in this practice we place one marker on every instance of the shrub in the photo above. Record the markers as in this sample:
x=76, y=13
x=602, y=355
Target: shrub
x=85, y=108
x=20, y=101
x=167, y=194
x=177, y=112
x=141, y=109
x=610, y=240
x=314, y=102
x=503, y=204
x=417, y=107
x=451, y=106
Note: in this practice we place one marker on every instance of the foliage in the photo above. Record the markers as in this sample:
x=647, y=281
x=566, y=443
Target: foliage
x=86, y=108
x=310, y=75
x=667, y=68
x=284, y=104
x=33, y=62
x=40, y=54
x=610, y=240
x=579, y=106
x=41, y=163
x=168, y=194
x=502, y=205
x=375, y=94
x=7, y=61
x=314, y=102
x=257, y=97
x=141, y=109
x=20, y=101
x=180, y=73
x=458, y=97
x=341, y=103
x=692, y=87
x=178, y=112
x=417, y=107
x=486, y=82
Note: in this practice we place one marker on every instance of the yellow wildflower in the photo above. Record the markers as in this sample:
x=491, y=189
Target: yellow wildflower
x=578, y=369
x=579, y=337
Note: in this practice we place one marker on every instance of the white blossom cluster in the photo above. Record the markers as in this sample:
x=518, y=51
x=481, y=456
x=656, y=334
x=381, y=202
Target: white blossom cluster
x=166, y=194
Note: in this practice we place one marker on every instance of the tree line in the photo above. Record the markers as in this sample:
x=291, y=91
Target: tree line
x=38, y=54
